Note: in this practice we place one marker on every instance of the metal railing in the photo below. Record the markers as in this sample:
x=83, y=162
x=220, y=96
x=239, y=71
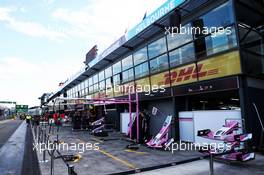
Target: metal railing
x=42, y=135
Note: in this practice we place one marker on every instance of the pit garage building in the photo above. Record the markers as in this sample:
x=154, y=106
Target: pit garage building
x=218, y=70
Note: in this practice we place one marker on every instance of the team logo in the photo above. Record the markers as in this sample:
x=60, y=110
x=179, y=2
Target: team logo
x=188, y=73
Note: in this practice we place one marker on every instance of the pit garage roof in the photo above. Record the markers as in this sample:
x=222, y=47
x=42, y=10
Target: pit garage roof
x=126, y=44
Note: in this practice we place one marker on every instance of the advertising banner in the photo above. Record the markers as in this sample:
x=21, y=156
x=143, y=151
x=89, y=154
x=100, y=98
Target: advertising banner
x=159, y=79
x=167, y=7
x=219, y=66
x=142, y=84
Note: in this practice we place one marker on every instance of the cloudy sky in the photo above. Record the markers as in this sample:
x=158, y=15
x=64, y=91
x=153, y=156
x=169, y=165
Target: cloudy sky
x=44, y=42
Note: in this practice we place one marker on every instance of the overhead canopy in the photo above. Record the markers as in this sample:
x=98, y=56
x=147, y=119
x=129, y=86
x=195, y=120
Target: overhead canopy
x=128, y=43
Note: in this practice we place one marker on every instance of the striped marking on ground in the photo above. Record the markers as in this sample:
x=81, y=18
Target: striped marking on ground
x=131, y=166
x=117, y=159
x=97, y=140
x=137, y=152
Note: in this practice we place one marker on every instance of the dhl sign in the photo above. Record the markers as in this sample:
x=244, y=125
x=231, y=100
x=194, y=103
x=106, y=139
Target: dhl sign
x=226, y=64
x=220, y=66
x=188, y=74
x=158, y=79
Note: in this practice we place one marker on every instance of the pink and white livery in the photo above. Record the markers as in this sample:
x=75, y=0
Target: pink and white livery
x=160, y=140
x=228, y=134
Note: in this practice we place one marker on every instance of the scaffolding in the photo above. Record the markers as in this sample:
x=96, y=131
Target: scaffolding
x=62, y=101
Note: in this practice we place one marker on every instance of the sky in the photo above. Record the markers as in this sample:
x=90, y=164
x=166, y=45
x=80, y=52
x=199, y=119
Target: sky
x=44, y=42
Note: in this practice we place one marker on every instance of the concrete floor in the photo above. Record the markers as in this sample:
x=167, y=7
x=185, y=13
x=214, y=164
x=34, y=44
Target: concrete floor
x=201, y=167
x=30, y=160
x=7, y=128
x=12, y=151
x=114, y=158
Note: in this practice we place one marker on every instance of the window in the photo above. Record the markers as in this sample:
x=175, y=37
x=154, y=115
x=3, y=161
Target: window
x=159, y=64
x=95, y=87
x=157, y=47
x=83, y=85
x=214, y=19
x=182, y=55
x=101, y=76
x=177, y=40
x=108, y=72
x=75, y=89
x=140, y=56
x=117, y=79
x=102, y=85
x=219, y=17
x=108, y=83
x=86, y=83
x=128, y=75
x=90, y=81
x=91, y=90
x=209, y=23
x=141, y=70
x=127, y=63
x=220, y=42
x=95, y=78
x=252, y=47
x=117, y=67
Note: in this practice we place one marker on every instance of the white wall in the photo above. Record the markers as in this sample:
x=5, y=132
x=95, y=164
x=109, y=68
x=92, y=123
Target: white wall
x=213, y=120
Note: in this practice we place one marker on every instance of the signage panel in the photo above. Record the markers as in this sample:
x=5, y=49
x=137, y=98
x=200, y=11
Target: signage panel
x=167, y=7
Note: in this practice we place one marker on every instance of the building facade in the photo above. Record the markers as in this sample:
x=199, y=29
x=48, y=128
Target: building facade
x=220, y=67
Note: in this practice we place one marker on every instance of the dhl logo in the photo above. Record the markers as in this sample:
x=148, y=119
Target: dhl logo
x=188, y=73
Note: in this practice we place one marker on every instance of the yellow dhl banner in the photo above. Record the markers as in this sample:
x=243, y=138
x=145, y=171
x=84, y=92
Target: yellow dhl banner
x=102, y=94
x=182, y=75
x=158, y=80
x=142, y=82
x=219, y=66
x=109, y=92
x=118, y=91
x=129, y=88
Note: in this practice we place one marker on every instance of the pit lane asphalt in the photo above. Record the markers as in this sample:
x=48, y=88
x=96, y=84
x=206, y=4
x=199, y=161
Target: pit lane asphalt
x=7, y=128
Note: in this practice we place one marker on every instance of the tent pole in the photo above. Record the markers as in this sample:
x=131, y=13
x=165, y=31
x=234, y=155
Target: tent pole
x=137, y=116
x=130, y=116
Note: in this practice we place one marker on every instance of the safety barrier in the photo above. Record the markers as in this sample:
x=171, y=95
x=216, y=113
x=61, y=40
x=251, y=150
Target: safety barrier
x=43, y=137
